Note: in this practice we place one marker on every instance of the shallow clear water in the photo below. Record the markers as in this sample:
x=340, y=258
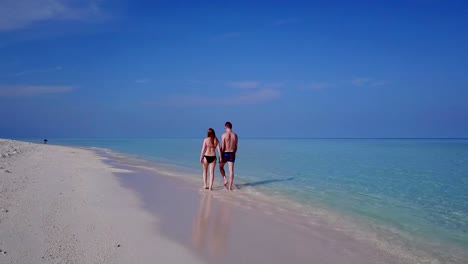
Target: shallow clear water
x=418, y=186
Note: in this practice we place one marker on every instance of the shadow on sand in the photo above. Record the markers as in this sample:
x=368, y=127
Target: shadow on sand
x=240, y=186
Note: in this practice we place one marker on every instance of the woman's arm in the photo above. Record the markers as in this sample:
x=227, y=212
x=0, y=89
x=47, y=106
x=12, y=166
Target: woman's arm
x=202, y=151
x=219, y=150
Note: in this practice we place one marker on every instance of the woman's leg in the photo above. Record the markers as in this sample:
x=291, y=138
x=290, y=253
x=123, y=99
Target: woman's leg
x=212, y=168
x=205, y=171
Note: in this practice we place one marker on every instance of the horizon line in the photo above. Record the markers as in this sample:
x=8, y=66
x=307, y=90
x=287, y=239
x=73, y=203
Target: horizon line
x=152, y=138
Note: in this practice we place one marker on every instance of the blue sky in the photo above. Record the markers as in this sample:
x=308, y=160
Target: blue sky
x=143, y=69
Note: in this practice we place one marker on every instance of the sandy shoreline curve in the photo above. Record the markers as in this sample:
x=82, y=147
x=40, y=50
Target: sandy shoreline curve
x=64, y=205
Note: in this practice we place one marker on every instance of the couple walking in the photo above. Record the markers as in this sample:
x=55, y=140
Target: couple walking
x=227, y=149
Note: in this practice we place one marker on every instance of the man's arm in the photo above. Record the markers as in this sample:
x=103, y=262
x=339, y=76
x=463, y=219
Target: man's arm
x=235, y=145
x=223, y=143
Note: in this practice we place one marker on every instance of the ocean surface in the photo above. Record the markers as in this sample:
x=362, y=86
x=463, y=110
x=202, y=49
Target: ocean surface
x=416, y=186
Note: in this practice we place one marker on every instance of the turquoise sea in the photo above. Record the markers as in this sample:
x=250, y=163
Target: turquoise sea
x=416, y=186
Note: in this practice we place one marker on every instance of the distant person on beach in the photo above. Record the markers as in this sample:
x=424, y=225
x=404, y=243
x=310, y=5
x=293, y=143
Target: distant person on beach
x=45, y=141
x=228, y=153
x=208, y=156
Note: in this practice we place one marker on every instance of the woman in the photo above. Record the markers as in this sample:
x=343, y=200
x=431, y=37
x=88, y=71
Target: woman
x=208, y=156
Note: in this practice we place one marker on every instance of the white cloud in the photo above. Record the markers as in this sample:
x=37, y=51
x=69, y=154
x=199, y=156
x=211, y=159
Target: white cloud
x=254, y=85
x=57, y=68
x=286, y=21
x=366, y=81
x=273, y=85
x=259, y=96
x=378, y=83
x=360, y=81
x=254, y=97
x=316, y=86
x=229, y=35
x=244, y=84
x=32, y=90
x=143, y=80
x=319, y=85
x=17, y=14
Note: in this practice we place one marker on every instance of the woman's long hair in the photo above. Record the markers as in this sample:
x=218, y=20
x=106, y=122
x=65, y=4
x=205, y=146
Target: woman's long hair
x=212, y=135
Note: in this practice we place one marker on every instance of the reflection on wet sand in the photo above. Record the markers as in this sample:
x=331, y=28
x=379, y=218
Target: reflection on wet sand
x=211, y=227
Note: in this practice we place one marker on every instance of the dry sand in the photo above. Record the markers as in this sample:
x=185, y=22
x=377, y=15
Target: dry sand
x=63, y=205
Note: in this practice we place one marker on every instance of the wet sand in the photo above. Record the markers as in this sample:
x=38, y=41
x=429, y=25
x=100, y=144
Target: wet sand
x=219, y=231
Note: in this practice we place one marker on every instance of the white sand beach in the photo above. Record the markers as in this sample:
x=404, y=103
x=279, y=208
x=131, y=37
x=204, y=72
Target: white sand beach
x=63, y=205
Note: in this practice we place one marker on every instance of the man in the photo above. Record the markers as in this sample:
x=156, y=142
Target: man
x=228, y=153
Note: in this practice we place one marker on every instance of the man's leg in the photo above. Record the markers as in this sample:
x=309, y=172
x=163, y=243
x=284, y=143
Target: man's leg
x=231, y=174
x=223, y=172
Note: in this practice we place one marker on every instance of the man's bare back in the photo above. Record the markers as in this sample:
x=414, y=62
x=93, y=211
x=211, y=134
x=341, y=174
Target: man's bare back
x=228, y=154
x=229, y=142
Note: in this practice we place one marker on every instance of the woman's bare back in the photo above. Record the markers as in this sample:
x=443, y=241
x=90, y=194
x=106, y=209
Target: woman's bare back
x=210, y=146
